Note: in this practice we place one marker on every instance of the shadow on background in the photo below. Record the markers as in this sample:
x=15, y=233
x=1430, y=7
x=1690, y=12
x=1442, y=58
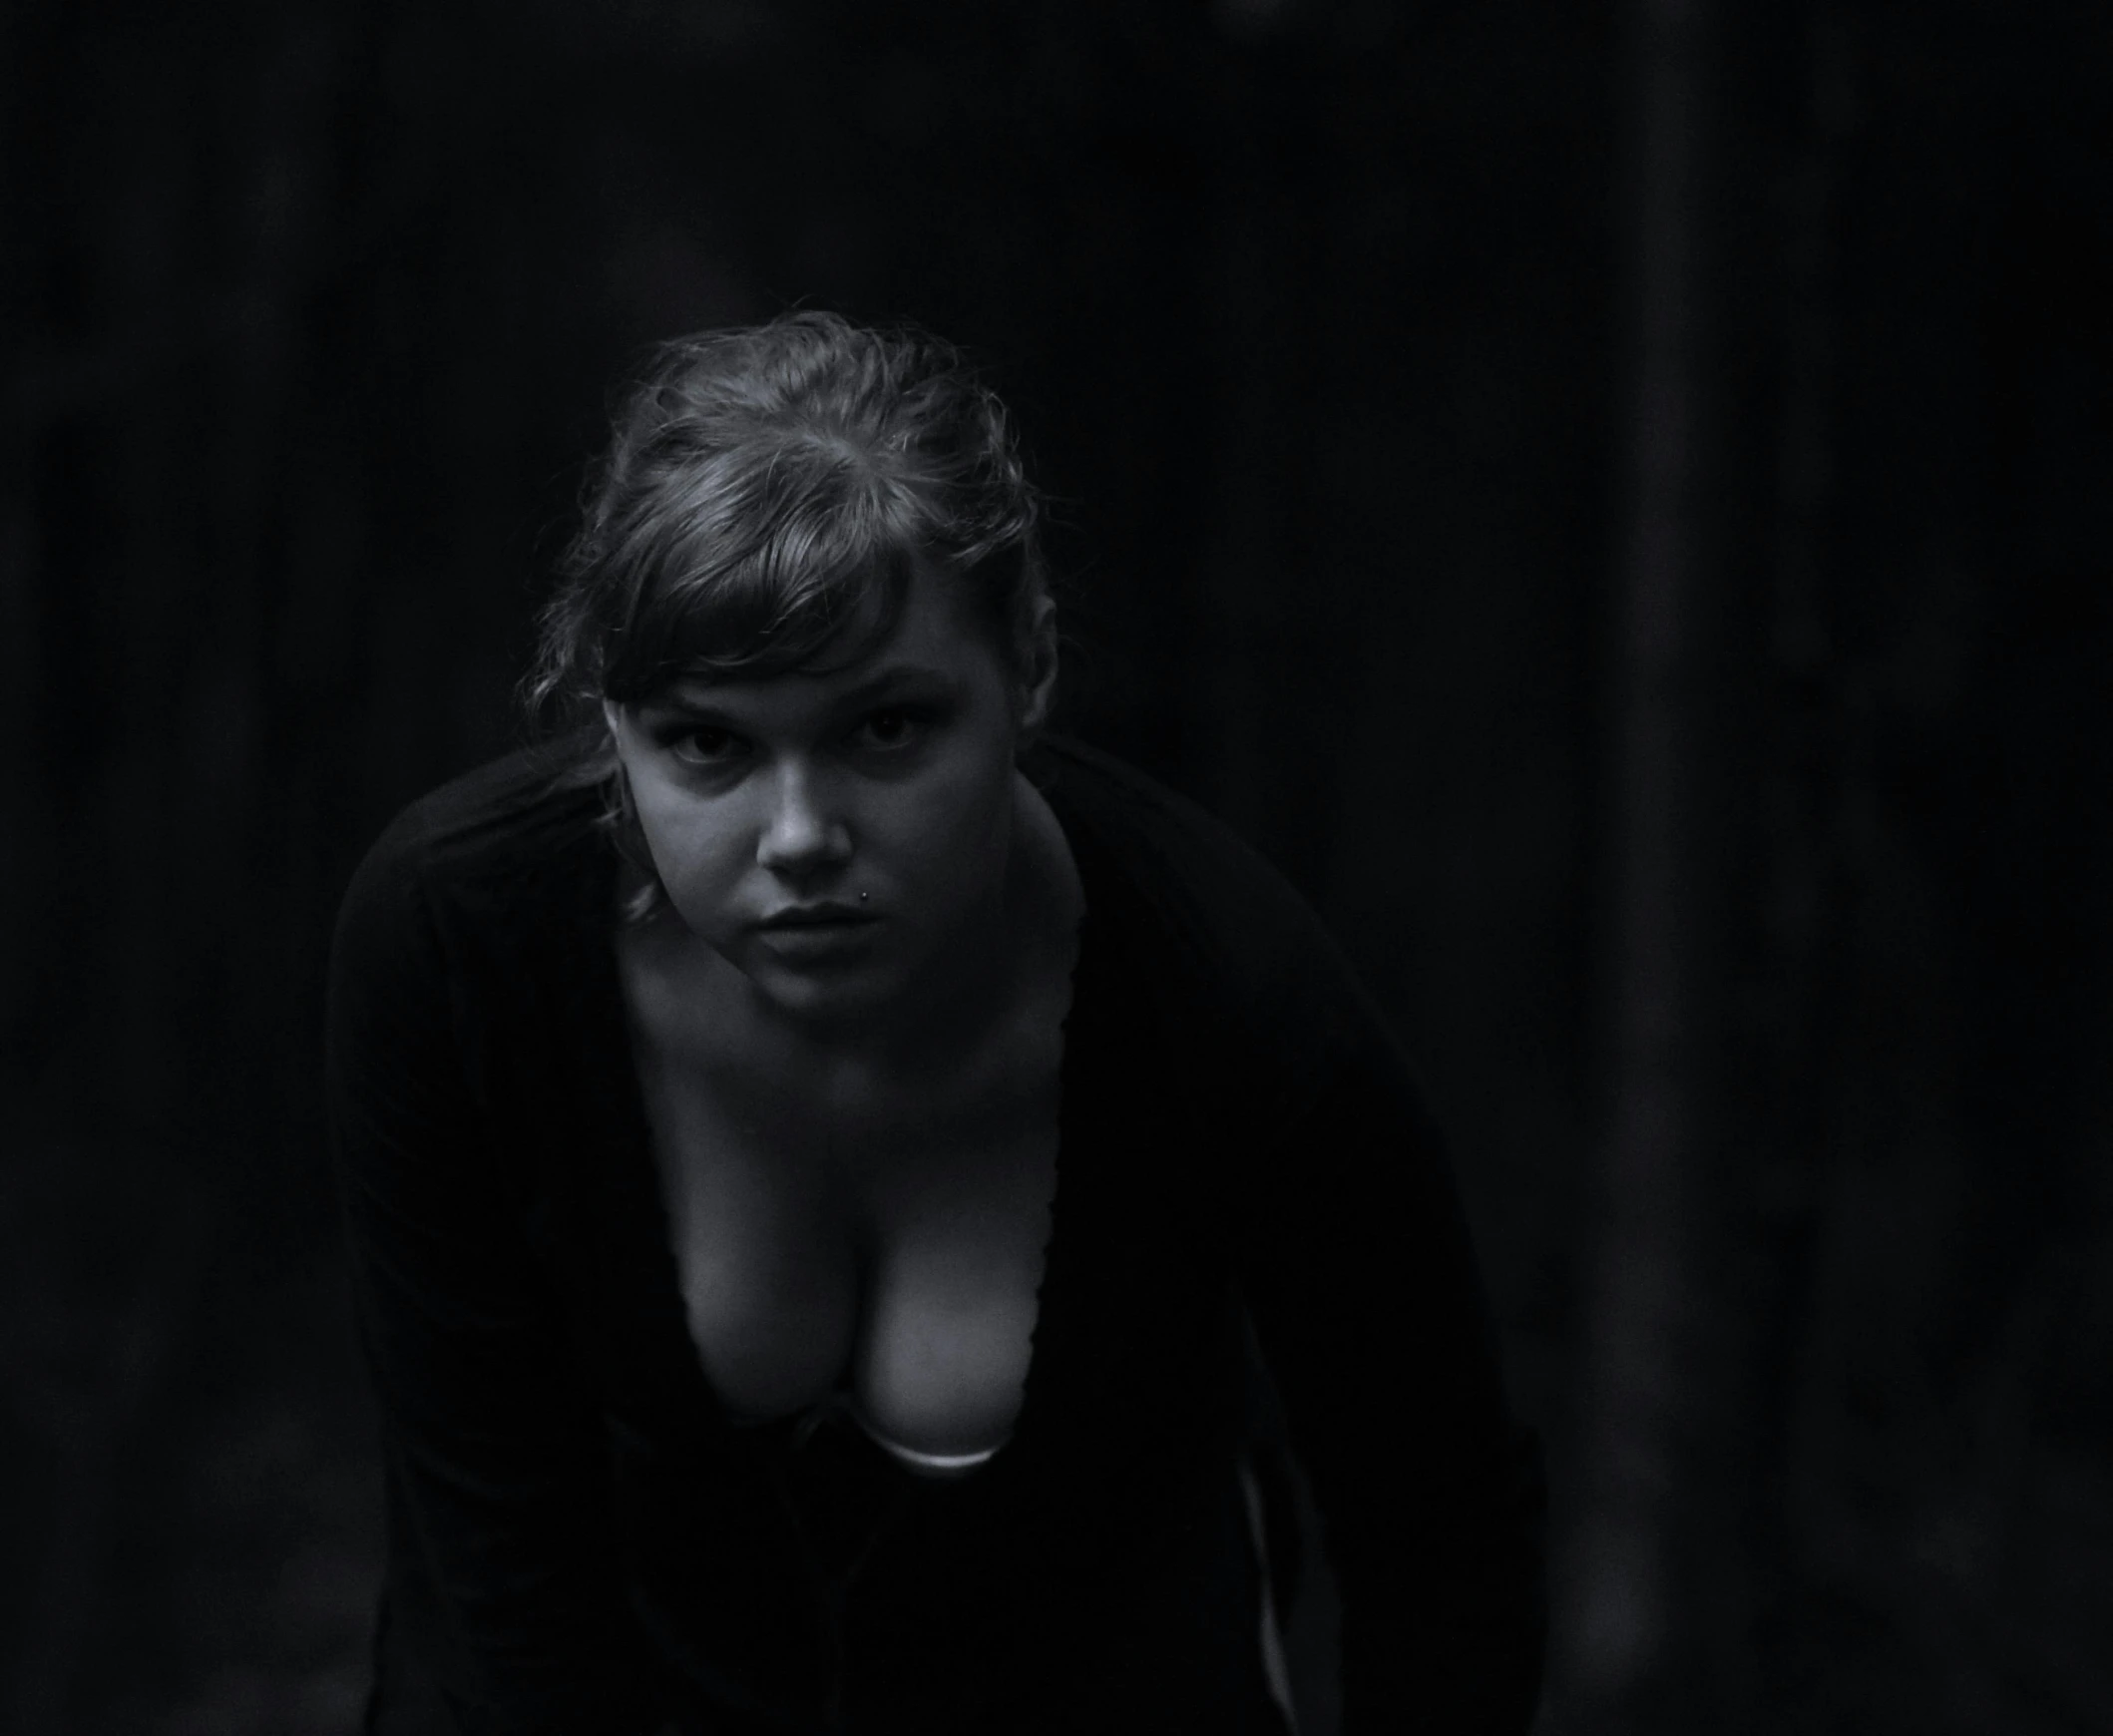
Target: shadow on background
x=1613, y=501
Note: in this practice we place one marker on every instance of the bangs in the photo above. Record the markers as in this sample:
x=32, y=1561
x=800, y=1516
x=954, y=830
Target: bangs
x=805, y=563
x=766, y=499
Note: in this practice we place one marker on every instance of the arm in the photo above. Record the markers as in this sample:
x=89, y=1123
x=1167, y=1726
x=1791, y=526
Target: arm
x=493, y=1448
x=1364, y=1293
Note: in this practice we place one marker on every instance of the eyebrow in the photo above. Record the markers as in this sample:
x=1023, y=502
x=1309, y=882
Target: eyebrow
x=893, y=676
x=888, y=678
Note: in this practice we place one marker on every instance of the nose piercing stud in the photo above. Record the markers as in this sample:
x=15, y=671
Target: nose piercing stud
x=863, y=896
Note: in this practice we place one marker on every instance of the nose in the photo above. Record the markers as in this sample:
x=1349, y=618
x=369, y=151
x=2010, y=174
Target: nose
x=802, y=836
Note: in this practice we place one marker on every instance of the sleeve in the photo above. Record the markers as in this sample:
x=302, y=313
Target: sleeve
x=1362, y=1285
x=500, y=1545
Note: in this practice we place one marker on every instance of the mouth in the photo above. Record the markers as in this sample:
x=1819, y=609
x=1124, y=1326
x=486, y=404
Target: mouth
x=818, y=937
x=808, y=918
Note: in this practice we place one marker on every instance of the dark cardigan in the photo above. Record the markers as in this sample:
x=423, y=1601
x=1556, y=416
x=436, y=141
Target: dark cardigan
x=583, y=1542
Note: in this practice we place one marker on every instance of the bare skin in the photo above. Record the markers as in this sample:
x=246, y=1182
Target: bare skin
x=848, y=1022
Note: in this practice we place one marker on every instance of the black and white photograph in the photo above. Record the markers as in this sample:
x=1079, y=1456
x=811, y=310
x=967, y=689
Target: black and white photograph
x=1057, y=868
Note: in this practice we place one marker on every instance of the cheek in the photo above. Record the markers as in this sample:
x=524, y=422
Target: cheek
x=695, y=850
x=954, y=821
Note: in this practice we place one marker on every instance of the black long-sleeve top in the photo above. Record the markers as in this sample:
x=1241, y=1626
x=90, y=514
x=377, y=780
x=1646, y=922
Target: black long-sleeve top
x=583, y=1540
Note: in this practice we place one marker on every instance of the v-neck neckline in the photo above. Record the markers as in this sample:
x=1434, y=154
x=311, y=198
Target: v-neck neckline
x=643, y=1231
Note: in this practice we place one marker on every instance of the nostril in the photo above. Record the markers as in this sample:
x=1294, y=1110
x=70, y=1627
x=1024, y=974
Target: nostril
x=798, y=840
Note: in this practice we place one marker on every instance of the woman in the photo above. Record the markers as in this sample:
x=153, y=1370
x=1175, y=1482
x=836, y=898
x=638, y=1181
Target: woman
x=828, y=1170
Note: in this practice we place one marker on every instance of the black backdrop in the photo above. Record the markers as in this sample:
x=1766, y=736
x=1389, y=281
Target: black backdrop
x=1614, y=501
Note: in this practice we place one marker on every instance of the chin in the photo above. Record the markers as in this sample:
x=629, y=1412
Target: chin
x=824, y=998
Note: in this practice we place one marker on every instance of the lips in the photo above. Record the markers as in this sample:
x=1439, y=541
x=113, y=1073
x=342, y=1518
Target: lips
x=818, y=937
x=796, y=917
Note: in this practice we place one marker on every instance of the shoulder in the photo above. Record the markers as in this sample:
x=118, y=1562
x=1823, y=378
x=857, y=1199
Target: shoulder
x=494, y=843
x=495, y=820
x=1212, y=889
x=504, y=820
x=1240, y=943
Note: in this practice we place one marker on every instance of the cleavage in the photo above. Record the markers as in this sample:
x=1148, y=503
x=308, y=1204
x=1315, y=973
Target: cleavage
x=905, y=1283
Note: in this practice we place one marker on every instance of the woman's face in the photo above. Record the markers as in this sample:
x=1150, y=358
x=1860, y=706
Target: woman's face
x=838, y=837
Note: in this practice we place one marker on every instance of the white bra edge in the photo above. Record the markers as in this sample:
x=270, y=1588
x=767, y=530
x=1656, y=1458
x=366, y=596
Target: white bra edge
x=840, y=1403
x=938, y=1461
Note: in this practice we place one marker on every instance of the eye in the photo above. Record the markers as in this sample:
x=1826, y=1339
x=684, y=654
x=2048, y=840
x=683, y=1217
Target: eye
x=707, y=745
x=894, y=728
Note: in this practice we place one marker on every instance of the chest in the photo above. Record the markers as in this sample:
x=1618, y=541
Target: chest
x=881, y=1245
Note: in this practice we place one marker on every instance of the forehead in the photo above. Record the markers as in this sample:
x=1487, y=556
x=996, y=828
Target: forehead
x=934, y=639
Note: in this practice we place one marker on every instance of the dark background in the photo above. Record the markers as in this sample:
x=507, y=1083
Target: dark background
x=1616, y=501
